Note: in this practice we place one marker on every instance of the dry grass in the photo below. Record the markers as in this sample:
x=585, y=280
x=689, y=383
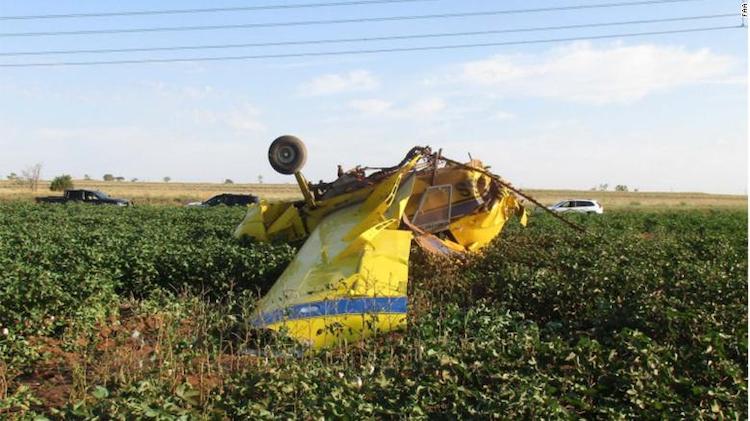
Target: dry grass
x=620, y=200
x=180, y=193
x=156, y=192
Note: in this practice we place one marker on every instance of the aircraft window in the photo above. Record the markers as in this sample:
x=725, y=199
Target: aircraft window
x=434, y=210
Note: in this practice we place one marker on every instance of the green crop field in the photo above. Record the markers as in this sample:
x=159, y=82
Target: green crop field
x=142, y=312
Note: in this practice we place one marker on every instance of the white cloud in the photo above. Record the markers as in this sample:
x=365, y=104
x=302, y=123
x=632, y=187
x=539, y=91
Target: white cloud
x=422, y=108
x=60, y=134
x=354, y=81
x=425, y=107
x=583, y=73
x=244, y=118
x=168, y=90
x=370, y=106
x=503, y=115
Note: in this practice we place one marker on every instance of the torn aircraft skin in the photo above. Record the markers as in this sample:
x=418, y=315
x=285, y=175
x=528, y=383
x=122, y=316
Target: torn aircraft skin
x=349, y=279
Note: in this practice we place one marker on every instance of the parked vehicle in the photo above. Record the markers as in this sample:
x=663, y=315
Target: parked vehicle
x=228, y=199
x=578, y=205
x=95, y=197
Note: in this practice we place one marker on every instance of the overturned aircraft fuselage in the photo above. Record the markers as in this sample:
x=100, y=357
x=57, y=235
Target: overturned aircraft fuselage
x=349, y=279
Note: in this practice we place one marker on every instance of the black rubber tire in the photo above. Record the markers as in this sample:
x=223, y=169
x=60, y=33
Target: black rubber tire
x=287, y=154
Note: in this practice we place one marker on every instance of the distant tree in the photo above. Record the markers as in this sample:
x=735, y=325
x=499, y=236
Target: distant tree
x=621, y=187
x=61, y=182
x=167, y=179
x=108, y=177
x=16, y=179
x=86, y=177
x=228, y=181
x=635, y=190
x=260, y=179
x=133, y=180
x=30, y=176
x=119, y=178
x=603, y=187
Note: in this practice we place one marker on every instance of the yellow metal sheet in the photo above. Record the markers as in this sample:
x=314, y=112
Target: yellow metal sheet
x=264, y=222
x=350, y=274
x=330, y=330
x=478, y=230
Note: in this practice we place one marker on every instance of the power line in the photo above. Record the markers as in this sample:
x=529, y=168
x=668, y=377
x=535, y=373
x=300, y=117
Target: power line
x=339, y=21
x=209, y=10
x=368, y=39
x=372, y=51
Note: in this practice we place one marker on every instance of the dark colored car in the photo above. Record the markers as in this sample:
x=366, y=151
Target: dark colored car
x=228, y=199
x=86, y=196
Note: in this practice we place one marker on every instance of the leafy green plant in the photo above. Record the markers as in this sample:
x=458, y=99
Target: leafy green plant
x=146, y=312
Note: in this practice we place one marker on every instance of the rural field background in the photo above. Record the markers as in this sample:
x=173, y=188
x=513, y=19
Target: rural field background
x=143, y=312
x=176, y=193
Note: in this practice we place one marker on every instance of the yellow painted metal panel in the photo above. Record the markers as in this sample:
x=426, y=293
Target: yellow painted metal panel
x=253, y=226
x=328, y=331
x=478, y=230
x=353, y=254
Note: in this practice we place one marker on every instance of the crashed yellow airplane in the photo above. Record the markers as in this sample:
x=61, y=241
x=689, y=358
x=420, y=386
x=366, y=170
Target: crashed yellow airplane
x=349, y=279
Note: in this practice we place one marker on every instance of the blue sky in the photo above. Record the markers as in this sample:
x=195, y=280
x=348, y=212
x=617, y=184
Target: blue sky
x=656, y=113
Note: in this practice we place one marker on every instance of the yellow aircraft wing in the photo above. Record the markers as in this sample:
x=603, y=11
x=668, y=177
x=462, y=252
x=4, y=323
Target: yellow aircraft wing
x=349, y=279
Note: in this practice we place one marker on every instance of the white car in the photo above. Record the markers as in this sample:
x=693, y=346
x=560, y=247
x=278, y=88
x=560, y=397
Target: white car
x=578, y=205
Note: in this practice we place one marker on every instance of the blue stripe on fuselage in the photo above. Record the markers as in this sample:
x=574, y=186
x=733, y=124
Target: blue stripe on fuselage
x=363, y=305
